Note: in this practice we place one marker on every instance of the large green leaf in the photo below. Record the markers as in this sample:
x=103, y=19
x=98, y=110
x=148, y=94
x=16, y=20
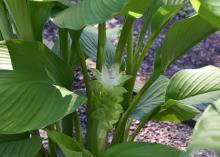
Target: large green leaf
x=172, y=2
x=135, y=6
x=88, y=12
x=54, y=2
x=30, y=16
x=96, y=11
x=19, y=12
x=67, y=145
x=89, y=42
x=175, y=111
x=194, y=82
x=32, y=104
x=137, y=149
x=209, y=10
x=206, y=134
x=14, y=137
x=151, y=99
x=182, y=36
x=5, y=27
x=166, y=10
x=40, y=11
x=20, y=148
x=191, y=87
x=31, y=97
x=36, y=59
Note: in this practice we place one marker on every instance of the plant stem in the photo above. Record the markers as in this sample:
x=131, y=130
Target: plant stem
x=51, y=144
x=119, y=131
x=129, y=68
x=1, y=37
x=123, y=39
x=78, y=129
x=146, y=22
x=67, y=122
x=131, y=83
x=129, y=60
x=63, y=36
x=123, y=120
x=58, y=126
x=94, y=143
x=142, y=124
x=5, y=26
x=45, y=152
x=101, y=46
x=144, y=53
x=52, y=148
x=82, y=59
x=127, y=130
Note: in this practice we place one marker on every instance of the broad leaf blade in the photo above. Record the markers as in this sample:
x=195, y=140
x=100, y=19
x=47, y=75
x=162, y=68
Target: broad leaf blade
x=89, y=42
x=135, y=6
x=30, y=16
x=5, y=27
x=40, y=11
x=40, y=62
x=193, y=82
x=90, y=12
x=53, y=2
x=30, y=95
x=207, y=129
x=136, y=149
x=14, y=137
x=18, y=9
x=166, y=11
x=32, y=104
x=182, y=36
x=151, y=99
x=20, y=148
x=209, y=10
x=67, y=145
x=190, y=87
x=176, y=112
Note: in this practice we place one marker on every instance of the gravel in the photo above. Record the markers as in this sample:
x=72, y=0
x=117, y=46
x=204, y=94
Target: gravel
x=205, y=53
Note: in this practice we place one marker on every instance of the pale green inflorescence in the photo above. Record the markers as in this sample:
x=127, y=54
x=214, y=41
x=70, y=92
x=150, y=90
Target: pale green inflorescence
x=107, y=96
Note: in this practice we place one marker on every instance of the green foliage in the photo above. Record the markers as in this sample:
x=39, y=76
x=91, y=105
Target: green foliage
x=134, y=149
x=207, y=129
x=89, y=42
x=30, y=16
x=36, y=82
x=35, y=88
x=164, y=11
x=182, y=36
x=209, y=10
x=189, y=88
x=67, y=145
x=20, y=147
x=151, y=99
x=97, y=11
x=5, y=27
